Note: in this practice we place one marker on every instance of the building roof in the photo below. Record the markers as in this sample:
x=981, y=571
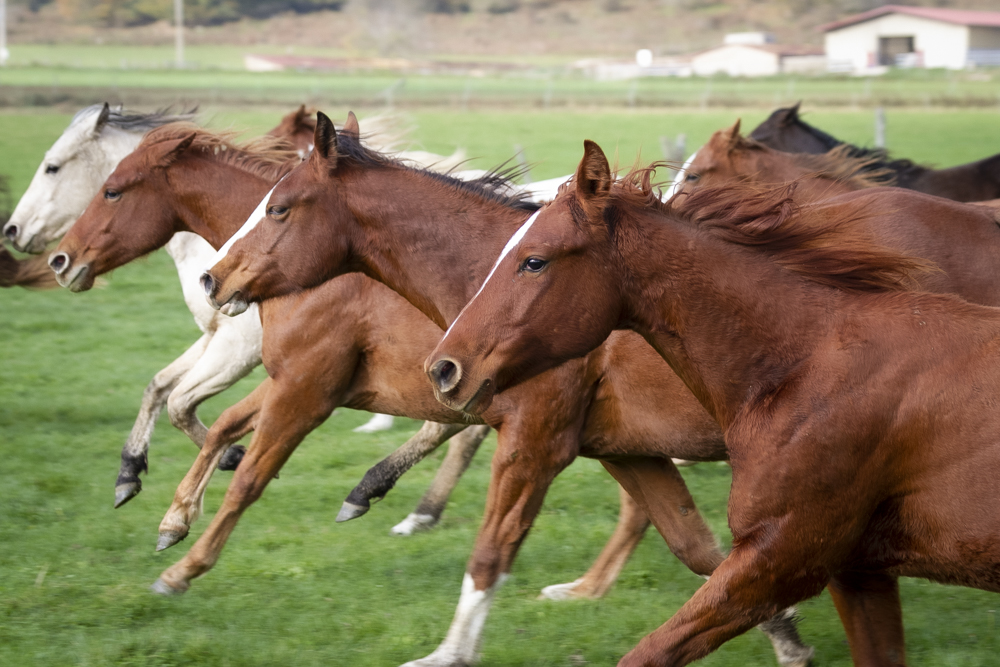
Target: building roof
x=957, y=16
x=780, y=50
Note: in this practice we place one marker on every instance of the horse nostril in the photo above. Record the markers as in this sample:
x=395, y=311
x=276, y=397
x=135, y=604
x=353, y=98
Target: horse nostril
x=446, y=374
x=207, y=283
x=59, y=262
x=10, y=231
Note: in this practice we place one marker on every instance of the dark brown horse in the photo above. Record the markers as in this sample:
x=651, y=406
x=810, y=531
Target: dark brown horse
x=861, y=418
x=784, y=130
x=327, y=347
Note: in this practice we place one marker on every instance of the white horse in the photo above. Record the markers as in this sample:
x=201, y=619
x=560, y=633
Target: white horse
x=74, y=169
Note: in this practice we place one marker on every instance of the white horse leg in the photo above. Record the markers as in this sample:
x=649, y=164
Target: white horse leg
x=134, y=453
x=460, y=452
x=461, y=646
x=378, y=422
x=232, y=353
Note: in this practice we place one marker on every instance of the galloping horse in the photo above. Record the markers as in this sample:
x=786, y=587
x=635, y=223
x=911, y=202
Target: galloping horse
x=860, y=418
x=784, y=130
x=728, y=156
x=324, y=348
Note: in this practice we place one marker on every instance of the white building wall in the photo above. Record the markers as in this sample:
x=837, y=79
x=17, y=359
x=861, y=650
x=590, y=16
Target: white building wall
x=942, y=44
x=735, y=60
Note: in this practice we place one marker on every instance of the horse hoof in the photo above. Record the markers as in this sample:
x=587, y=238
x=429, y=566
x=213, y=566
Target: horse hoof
x=684, y=463
x=169, y=538
x=160, y=587
x=232, y=457
x=350, y=511
x=560, y=591
x=126, y=492
x=414, y=523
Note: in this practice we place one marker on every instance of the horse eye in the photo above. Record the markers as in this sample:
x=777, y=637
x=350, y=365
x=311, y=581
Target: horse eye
x=533, y=264
x=51, y=168
x=277, y=212
x=692, y=177
x=112, y=195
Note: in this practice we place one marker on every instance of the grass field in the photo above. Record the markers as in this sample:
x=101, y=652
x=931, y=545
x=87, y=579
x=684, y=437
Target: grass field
x=47, y=74
x=293, y=587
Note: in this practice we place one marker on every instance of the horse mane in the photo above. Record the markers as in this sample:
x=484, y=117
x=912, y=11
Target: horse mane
x=266, y=157
x=879, y=157
x=495, y=186
x=825, y=249
x=136, y=122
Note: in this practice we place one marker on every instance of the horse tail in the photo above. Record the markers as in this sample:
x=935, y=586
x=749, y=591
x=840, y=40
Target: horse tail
x=33, y=272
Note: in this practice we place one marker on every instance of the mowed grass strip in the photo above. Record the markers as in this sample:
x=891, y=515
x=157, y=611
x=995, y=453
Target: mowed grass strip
x=293, y=587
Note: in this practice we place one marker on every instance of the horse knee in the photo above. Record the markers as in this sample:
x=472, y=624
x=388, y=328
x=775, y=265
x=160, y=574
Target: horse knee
x=181, y=410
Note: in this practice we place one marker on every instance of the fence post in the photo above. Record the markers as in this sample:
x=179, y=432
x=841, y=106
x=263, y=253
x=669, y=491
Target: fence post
x=522, y=163
x=879, y=127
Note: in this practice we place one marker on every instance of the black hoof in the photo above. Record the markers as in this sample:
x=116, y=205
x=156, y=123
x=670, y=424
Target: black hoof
x=231, y=459
x=126, y=492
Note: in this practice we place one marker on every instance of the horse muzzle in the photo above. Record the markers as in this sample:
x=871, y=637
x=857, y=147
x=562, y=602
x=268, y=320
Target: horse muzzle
x=233, y=306
x=74, y=277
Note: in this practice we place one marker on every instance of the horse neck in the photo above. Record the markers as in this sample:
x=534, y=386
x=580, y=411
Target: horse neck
x=213, y=199
x=703, y=305
x=434, y=244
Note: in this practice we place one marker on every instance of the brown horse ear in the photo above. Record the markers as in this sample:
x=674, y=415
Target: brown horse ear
x=593, y=179
x=102, y=118
x=325, y=141
x=733, y=137
x=351, y=127
x=169, y=151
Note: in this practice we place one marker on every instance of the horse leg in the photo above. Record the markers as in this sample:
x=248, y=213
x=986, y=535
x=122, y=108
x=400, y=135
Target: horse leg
x=632, y=525
x=660, y=491
x=382, y=476
x=288, y=414
x=868, y=605
x=521, y=475
x=378, y=422
x=135, y=452
x=460, y=452
x=229, y=357
x=234, y=423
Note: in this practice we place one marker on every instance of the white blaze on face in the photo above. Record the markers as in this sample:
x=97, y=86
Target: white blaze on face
x=511, y=244
x=678, y=181
x=255, y=217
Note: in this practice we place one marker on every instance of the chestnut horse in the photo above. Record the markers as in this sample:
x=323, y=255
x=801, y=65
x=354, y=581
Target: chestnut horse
x=323, y=348
x=333, y=216
x=860, y=418
x=784, y=130
x=728, y=156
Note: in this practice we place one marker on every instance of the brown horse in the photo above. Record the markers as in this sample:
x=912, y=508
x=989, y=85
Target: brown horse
x=860, y=418
x=784, y=130
x=576, y=409
x=327, y=347
x=33, y=272
x=728, y=156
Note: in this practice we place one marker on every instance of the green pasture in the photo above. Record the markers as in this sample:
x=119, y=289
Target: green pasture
x=51, y=74
x=293, y=587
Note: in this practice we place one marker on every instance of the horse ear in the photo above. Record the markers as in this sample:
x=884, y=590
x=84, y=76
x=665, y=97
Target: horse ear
x=791, y=114
x=593, y=179
x=351, y=127
x=102, y=118
x=325, y=141
x=171, y=150
x=733, y=137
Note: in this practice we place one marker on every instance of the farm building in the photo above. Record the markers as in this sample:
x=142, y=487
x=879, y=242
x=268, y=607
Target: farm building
x=898, y=36
x=757, y=60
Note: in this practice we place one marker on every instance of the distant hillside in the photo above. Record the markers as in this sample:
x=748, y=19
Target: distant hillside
x=460, y=27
